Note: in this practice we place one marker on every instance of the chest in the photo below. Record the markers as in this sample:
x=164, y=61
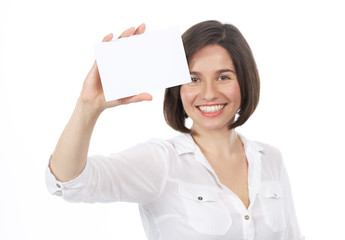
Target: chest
x=208, y=209
x=234, y=177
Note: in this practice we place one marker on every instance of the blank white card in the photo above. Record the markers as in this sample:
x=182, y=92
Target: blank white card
x=142, y=63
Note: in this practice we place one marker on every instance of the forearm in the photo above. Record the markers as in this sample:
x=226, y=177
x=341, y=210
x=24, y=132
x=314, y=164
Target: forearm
x=69, y=157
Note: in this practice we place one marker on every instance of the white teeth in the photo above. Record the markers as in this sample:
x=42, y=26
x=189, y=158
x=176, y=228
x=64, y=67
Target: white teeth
x=211, y=109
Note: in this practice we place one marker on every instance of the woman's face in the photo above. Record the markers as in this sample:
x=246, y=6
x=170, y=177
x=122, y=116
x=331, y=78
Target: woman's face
x=213, y=97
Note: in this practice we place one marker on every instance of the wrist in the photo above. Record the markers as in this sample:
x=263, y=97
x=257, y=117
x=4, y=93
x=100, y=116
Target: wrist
x=87, y=112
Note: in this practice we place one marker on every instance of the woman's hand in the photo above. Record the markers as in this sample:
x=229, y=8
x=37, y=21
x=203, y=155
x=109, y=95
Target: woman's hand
x=92, y=93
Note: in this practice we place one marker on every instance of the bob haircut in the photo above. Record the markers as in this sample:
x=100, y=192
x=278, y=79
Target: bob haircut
x=230, y=38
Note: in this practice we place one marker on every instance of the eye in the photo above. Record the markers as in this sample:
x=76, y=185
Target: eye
x=223, y=78
x=194, y=80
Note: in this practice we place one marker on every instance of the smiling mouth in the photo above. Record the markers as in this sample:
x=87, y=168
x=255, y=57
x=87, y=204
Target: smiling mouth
x=211, y=109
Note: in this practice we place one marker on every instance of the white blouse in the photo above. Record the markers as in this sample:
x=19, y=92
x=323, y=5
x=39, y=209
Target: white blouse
x=180, y=195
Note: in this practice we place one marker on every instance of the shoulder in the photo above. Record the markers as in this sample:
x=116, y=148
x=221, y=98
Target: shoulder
x=183, y=143
x=160, y=148
x=265, y=148
x=270, y=155
x=270, y=151
x=177, y=145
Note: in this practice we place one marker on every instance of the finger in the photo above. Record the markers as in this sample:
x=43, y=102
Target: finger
x=144, y=97
x=136, y=98
x=127, y=100
x=140, y=29
x=128, y=32
x=107, y=38
x=94, y=71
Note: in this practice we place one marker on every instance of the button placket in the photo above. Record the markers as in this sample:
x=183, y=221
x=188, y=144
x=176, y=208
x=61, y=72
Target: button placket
x=248, y=225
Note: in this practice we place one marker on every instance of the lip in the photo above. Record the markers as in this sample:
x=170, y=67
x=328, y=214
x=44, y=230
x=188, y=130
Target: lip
x=213, y=114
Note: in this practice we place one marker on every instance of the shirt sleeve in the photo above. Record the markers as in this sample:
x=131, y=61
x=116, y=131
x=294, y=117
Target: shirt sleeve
x=293, y=231
x=136, y=175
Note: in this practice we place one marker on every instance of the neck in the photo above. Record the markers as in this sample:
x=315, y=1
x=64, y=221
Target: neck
x=218, y=143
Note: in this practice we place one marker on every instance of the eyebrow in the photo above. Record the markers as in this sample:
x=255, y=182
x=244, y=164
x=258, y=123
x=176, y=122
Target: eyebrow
x=218, y=72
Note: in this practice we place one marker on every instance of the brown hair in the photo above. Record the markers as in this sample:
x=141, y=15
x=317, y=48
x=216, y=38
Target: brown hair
x=229, y=37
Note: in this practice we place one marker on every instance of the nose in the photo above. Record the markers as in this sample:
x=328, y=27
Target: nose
x=209, y=91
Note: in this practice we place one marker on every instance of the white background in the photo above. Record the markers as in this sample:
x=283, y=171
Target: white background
x=46, y=50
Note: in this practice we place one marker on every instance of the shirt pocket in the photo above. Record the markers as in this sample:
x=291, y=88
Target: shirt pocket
x=271, y=199
x=205, y=212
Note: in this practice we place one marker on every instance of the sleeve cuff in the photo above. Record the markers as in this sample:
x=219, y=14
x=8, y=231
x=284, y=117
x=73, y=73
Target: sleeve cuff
x=59, y=188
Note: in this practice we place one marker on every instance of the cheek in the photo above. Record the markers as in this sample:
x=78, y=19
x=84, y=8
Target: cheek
x=234, y=94
x=187, y=96
x=183, y=92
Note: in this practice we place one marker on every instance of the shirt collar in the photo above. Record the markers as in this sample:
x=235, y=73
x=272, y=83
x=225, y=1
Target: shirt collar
x=184, y=143
x=251, y=145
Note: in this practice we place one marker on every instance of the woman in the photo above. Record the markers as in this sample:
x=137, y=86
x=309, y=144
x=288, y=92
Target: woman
x=209, y=182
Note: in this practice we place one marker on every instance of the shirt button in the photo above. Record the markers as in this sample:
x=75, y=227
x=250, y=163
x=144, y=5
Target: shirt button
x=58, y=185
x=246, y=217
x=200, y=198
